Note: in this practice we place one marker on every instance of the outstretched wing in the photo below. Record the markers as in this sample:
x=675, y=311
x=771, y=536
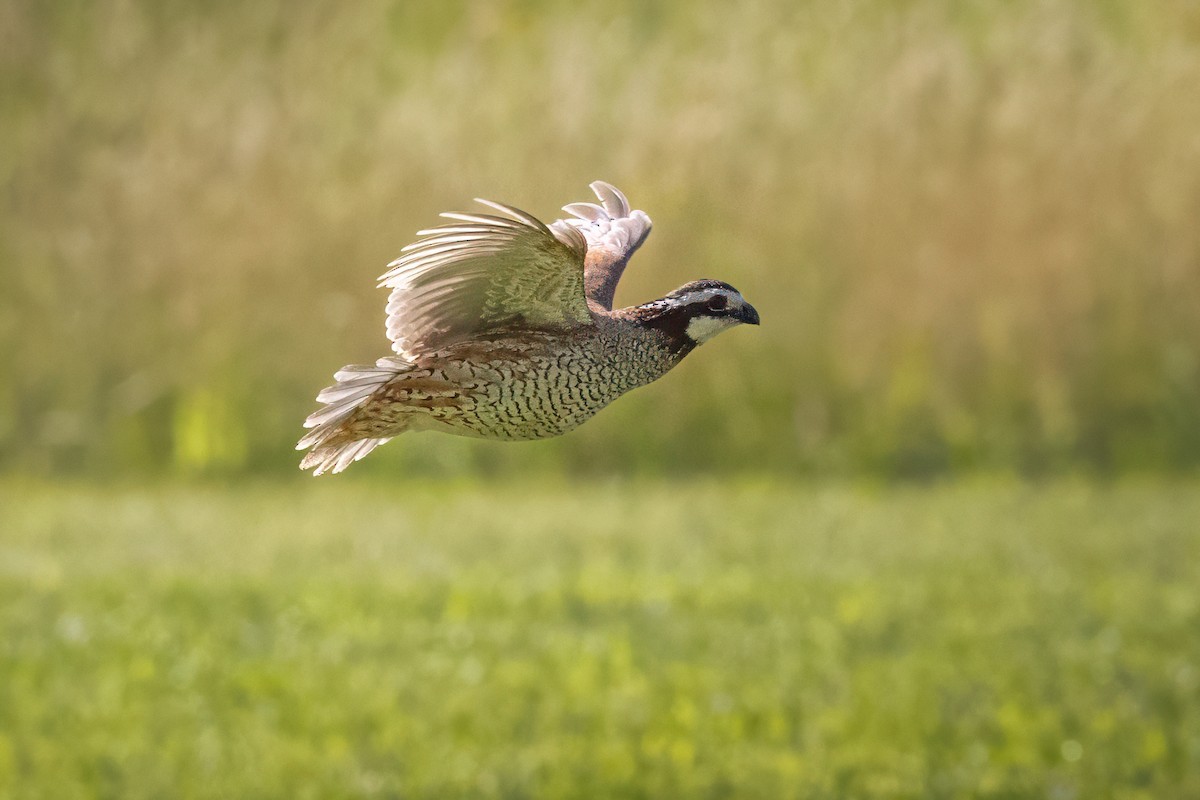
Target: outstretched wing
x=613, y=233
x=481, y=273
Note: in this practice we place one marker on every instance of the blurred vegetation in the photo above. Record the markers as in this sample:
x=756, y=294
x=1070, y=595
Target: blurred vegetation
x=970, y=227
x=600, y=640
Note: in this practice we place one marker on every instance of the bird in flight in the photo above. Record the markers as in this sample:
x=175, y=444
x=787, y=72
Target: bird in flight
x=503, y=328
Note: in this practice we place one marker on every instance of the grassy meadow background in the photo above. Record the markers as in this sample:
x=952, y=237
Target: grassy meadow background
x=933, y=530
x=970, y=227
x=449, y=641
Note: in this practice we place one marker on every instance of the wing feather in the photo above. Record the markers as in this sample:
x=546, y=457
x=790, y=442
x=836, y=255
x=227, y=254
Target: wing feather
x=484, y=272
x=613, y=232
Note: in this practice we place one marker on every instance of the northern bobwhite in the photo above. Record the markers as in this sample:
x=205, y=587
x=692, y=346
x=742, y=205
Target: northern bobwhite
x=503, y=328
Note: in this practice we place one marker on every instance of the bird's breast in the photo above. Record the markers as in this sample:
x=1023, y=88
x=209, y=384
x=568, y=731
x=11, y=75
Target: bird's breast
x=538, y=386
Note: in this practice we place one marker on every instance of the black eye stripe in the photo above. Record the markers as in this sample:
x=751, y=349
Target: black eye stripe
x=718, y=302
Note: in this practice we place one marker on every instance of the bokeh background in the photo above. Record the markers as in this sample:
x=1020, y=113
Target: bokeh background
x=930, y=531
x=971, y=227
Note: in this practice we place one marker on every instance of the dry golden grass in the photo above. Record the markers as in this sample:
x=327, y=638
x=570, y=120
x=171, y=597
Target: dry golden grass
x=970, y=227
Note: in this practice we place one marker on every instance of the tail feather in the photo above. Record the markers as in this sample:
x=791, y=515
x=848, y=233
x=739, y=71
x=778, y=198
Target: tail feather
x=335, y=457
x=333, y=447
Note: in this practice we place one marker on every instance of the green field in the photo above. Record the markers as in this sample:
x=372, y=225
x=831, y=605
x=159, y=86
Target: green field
x=701, y=639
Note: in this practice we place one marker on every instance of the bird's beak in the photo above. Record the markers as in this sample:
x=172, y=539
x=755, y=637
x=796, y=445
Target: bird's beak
x=747, y=314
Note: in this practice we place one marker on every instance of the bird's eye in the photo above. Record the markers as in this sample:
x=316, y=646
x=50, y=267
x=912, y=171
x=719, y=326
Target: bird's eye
x=718, y=302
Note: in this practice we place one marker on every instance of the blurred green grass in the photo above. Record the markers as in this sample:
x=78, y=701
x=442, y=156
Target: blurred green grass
x=608, y=639
x=970, y=226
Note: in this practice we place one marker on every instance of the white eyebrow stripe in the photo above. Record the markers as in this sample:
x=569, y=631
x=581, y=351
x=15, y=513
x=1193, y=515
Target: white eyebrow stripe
x=704, y=295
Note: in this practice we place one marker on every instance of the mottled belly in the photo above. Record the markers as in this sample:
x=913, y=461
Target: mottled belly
x=531, y=388
x=534, y=399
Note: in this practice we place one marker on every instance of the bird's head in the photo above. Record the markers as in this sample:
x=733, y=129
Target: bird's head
x=711, y=307
x=698, y=311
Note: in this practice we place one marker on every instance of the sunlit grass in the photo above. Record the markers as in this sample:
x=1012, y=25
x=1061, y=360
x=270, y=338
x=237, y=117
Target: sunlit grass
x=610, y=640
x=970, y=227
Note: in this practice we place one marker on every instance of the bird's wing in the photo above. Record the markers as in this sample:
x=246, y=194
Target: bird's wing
x=483, y=273
x=613, y=233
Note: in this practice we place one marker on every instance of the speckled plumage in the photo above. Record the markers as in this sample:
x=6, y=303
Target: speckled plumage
x=504, y=330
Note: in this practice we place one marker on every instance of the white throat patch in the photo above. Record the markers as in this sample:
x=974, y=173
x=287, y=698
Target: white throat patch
x=701, y=329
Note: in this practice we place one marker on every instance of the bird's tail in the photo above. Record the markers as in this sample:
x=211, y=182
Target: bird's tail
x=334, y=445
